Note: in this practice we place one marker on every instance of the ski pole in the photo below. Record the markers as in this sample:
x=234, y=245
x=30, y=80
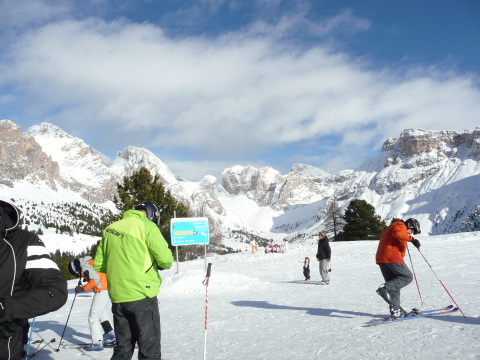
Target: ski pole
x=65, y=328
x=205, y=282
x=30, y=337
x=415, y=276
x=448, y=292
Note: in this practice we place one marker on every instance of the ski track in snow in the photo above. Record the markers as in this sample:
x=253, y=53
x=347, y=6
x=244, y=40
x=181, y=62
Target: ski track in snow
x=260, y=307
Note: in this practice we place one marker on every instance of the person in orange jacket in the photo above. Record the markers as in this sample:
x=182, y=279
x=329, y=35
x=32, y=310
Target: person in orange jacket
x=390, y=253
x=98, y=318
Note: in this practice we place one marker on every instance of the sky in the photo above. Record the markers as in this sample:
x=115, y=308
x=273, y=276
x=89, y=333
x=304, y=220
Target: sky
x=210, y=84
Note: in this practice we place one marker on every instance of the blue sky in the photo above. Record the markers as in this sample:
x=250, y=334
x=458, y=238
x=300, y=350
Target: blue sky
x=207, y=85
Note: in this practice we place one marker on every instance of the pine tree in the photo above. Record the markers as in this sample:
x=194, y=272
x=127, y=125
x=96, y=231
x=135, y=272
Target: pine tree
x=142, y=186
x=361, y=223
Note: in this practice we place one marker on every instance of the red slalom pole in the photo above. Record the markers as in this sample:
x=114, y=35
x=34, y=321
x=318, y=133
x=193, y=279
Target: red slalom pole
x=448, y=292
x=205, y=282
x=415, y=276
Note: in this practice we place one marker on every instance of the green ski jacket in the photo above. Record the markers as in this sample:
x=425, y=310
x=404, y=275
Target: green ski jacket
x=130, y=253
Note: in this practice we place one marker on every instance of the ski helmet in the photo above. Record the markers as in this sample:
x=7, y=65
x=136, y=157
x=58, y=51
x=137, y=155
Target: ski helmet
x=414, y=225
x=152, y=211
x=74, y=267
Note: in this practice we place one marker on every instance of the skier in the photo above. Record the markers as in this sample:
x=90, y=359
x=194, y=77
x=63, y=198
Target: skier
x=30, y=282
x=323, y=256
x=254, y=246
x=390, y=253
x=285, y=243
x=306, y=268
x=101, y=330
x=131, y=252
x=268, y=249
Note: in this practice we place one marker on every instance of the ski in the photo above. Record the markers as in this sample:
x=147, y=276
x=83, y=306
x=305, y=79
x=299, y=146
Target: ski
x=426, y=314
x=414, y=315
x=82, y=345
x=40, y=348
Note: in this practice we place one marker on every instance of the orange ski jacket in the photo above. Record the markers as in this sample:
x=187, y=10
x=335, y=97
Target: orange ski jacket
x=91, y=284
x=393, y=244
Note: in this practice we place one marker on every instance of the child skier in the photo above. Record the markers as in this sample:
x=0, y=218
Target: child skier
x=306, y=269
x=101, y=330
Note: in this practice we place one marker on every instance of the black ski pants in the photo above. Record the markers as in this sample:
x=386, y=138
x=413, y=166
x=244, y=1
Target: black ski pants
x=137, y=322
x=396, y=277
x=306, y=273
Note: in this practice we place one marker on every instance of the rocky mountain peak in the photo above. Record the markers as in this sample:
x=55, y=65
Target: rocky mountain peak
x=133, y=158
x=48, y=130
x=21, y=157
x=310, y=172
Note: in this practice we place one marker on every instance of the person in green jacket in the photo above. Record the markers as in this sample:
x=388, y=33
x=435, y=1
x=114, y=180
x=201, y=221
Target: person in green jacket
x=131, y=252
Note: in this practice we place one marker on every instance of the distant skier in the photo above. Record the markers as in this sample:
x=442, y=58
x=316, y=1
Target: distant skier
x=254, y=246
x=323, y=256
x=101, y=330
x=285, y=242
x=390, y=253
x=306, y=268
x=268, y=249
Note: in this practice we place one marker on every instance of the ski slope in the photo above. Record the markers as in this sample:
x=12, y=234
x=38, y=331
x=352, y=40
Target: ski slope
x=260, y=307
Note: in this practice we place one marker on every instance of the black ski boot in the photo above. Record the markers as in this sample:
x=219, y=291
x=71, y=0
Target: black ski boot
x=383, y=292
x=397, y=313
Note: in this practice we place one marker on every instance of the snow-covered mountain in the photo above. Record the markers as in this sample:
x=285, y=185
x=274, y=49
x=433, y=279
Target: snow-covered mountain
x=432, y=175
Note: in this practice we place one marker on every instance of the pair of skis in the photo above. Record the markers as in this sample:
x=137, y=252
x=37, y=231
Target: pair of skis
x=414, y=315
x=40, y=347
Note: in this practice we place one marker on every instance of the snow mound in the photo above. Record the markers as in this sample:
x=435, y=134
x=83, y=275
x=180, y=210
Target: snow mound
x=190, y=283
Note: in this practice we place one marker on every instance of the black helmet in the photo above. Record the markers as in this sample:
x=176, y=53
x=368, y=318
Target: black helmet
x=414, y=225
x=75, y=268
x=151, y=209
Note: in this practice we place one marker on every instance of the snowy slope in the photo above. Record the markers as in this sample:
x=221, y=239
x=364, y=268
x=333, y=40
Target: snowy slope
x=260, y=307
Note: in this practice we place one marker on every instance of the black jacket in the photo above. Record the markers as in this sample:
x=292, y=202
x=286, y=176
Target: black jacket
x=30, y=282
x=323, y=251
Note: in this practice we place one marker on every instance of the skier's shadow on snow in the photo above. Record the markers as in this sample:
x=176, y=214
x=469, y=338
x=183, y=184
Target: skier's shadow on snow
x=344, y=313
x=459, y=319
x=71, y=335
x=311, y=282
x=310, y=311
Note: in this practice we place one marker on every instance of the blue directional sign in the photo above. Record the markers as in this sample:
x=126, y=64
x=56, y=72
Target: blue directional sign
x=189, y=231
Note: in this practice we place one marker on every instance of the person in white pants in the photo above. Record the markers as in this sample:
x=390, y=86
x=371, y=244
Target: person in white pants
x=285, y=243
x=101, y=330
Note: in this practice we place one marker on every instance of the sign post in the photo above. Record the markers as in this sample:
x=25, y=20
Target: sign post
x=190, y=231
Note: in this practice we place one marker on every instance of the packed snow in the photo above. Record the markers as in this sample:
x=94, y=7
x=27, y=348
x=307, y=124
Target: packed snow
x=260, y=307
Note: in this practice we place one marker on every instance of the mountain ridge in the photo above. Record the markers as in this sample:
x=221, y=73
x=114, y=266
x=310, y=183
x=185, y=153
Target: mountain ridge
x=432, y=175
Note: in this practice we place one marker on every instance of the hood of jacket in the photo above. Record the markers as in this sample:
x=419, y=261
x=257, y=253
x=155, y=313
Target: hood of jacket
x=9, y=217
x=84, y=261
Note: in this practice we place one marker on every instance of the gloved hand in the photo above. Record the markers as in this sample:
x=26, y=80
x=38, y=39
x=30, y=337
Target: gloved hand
x=79, y=289
x=415, y=243
x=7, y=329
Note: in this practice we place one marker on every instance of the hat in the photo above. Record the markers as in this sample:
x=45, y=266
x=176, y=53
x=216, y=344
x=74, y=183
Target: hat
x=74, y=267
